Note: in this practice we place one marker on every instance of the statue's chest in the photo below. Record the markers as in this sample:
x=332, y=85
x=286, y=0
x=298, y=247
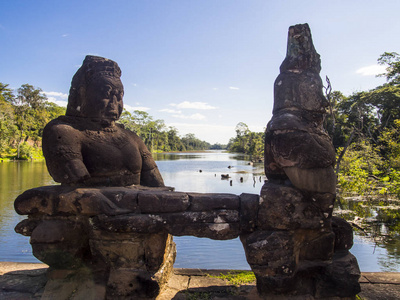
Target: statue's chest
x=110, y=151
x=114, y=138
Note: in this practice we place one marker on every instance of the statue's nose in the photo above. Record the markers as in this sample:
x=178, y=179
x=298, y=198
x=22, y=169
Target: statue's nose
x=114, y=101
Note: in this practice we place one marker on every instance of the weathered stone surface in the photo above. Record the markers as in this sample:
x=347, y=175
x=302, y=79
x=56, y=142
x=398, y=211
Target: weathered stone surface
x=191, y=217
x=285, y=207
x=343, y=234
x=219, y=231
x=270, y=253
x=28, y=281
x=131, y=284
x=129, y=223
x=301, y=54
x=138, y=251
x=312, y=150
x=322, y=180
x=87, y=202
x=296, y=145
x=315, y=245
x=249, y=205
x=26, y=227
x=344, y=273
x=62, y=244
x=162, y=202
x=37, y=201
x=78, y=285
x=208, y=202
x=67, y=200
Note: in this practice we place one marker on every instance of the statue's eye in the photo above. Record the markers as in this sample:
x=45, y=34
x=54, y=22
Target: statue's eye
x=108, y=90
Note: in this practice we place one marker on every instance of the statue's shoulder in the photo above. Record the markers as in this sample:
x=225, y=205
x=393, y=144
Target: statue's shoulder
x=62, y=124
x=129, y=132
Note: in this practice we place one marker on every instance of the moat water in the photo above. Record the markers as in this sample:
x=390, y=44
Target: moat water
x=377, y=246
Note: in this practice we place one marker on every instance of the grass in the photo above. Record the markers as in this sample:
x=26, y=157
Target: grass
x=198, y=296
x=237, y=277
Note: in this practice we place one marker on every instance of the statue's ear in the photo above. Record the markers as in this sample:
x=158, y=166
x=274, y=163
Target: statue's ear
x=75, y=102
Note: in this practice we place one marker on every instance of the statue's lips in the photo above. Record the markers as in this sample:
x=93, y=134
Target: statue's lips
x=112, y=113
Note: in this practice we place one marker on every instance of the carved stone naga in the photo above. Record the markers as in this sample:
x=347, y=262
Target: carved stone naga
x=297, y=146
x=306, y=252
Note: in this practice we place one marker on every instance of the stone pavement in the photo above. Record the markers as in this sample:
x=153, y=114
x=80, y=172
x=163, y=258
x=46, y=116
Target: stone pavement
x=20, y=281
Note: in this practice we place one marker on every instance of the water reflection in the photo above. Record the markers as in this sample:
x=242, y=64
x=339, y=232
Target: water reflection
x=202, y=172
x=15, y=178
x=376, y=224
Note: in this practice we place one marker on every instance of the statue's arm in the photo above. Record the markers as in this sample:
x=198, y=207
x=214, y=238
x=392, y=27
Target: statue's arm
x=62, y=150
x=150, y=175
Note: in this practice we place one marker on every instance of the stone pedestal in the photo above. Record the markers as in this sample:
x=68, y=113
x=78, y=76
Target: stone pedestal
x=87, y=258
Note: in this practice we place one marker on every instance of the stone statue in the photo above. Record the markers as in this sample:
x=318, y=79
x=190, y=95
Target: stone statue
x=297, y=146
x=295, y=223
x=86, y=146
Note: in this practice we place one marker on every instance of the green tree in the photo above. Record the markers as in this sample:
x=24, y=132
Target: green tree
x=157, y=136
x=8, y=127
x=174, y=141
x=392, y=62
x=53, y=110
x=247, y=142
x=30, y=114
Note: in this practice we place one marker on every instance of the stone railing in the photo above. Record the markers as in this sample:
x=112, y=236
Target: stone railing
x=117, y=242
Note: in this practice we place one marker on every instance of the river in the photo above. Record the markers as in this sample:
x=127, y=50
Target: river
x=201, y=172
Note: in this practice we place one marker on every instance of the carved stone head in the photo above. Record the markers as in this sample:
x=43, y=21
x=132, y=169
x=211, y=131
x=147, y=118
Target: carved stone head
x=96, y=90
x=299, y=86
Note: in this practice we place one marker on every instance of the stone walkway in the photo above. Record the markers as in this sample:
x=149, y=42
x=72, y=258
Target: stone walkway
x=20, y=281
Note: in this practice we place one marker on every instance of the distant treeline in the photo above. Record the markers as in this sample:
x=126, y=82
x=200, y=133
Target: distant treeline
x=160, y=138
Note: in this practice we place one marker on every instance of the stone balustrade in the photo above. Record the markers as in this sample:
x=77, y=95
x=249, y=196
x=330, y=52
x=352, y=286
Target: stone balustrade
x=119, y=239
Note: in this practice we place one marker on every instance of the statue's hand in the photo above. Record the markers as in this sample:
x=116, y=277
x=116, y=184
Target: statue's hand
x=75, y=171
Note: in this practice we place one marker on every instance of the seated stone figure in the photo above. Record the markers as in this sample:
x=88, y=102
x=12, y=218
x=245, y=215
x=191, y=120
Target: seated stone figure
x=86, y=146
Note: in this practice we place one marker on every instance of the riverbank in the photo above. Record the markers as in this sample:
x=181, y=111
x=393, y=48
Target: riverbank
x=27, y=281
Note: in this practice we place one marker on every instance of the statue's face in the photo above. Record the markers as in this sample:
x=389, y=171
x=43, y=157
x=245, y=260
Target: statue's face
x=104, y=98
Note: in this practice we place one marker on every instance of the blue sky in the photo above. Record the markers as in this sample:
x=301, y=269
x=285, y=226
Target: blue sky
x=200, y=65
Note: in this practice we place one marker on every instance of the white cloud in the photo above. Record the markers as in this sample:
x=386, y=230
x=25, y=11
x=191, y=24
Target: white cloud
x=65, y=35
x=233, y=88
x=192, y=117
x=58, y=102
x=133, y=108
x=170, y=111
x=57, y=98
x=372, y=70
x=193, y=105
x=206, y=132
x=56, y=95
